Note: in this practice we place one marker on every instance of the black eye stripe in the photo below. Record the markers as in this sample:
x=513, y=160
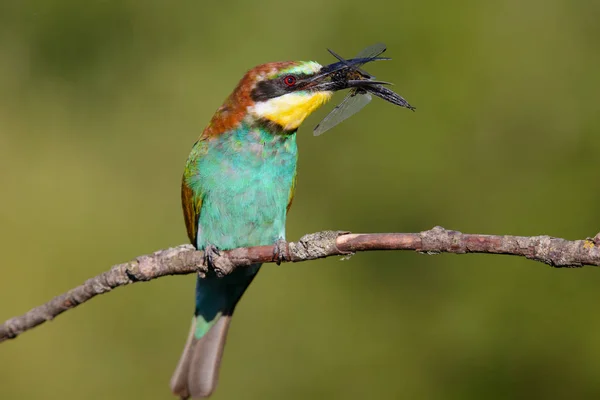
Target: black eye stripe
x=271, y=88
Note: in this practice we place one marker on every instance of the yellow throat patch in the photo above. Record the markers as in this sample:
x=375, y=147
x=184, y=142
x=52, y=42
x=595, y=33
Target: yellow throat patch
x=291, y=109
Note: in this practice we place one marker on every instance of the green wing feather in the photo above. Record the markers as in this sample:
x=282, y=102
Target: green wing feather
x=191, y=200
x=292, y=191
x=191, y=210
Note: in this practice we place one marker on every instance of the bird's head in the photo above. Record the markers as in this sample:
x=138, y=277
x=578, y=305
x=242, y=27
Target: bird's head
x=282, y=94
x=288, y=93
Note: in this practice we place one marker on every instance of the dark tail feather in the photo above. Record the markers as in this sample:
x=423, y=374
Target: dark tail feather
x=197, y=373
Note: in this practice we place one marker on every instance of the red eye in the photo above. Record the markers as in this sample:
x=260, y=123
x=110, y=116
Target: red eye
x=289, y=80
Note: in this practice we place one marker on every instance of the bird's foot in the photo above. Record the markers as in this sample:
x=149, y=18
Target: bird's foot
x=280, y=251
x=211, y=253
x=218, y=265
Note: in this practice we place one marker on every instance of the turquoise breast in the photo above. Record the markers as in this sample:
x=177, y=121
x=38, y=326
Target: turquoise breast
x=246, y=176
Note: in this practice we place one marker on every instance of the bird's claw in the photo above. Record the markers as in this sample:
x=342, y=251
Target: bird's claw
x=280, y=251
x=211, y=252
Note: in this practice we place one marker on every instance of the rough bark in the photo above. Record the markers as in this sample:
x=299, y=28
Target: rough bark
x=185, y=259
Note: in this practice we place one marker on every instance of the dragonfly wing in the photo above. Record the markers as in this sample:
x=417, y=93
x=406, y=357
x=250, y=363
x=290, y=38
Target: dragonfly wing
x=369, y=54
x=372, y=51
x=352, y=103
x=336, y=55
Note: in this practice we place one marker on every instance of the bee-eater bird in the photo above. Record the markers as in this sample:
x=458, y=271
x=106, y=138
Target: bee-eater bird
x=237, y=187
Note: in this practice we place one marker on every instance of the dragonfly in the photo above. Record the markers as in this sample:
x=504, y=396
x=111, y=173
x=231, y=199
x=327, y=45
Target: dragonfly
x=363, y=85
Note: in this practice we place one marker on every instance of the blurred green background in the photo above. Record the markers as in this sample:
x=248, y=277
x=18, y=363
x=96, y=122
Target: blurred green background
x=100, y=102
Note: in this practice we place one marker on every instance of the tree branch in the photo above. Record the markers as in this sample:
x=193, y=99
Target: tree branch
x=185, y=259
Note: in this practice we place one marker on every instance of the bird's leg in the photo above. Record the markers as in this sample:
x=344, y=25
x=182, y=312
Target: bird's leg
x=211, y=252
x=280, y=251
